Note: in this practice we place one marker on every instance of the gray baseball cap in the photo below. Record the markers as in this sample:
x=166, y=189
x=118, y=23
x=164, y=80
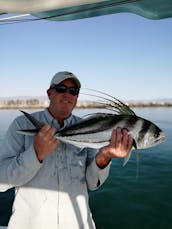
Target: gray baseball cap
x=61, y=76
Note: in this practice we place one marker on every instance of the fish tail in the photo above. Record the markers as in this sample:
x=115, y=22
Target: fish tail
x=33, y=120
x=30, y=132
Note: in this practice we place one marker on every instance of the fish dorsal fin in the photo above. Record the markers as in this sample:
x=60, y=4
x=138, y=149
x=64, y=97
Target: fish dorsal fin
x=122, y=108
x=112, y=103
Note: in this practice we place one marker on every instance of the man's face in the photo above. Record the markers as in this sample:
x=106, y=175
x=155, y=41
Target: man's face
x=62, y=104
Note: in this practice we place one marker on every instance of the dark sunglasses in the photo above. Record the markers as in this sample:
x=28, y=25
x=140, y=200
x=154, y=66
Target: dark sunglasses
x=61, y=88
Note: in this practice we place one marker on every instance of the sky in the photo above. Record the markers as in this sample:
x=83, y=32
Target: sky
x=125, y=55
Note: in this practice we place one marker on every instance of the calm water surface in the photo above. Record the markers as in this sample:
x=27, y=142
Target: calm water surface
x=125, y=202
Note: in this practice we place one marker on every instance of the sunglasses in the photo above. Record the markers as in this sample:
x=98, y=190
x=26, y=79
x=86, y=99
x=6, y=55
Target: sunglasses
x=61, y=88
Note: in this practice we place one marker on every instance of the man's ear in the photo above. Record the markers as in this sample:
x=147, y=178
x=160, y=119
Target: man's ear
x=49, y=92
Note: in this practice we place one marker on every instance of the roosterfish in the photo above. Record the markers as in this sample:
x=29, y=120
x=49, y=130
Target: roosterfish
x=95, y=129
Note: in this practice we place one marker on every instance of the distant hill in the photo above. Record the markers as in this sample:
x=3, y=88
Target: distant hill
x=23, y=102
x=42, y=102
x=41, y=98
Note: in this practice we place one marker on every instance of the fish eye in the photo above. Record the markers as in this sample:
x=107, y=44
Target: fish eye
x=156, y=135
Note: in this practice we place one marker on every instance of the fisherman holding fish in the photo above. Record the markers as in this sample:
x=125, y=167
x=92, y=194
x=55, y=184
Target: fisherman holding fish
x=52, y=177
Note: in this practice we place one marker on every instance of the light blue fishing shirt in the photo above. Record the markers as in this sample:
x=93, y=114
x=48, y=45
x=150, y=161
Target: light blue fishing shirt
x=52, y=194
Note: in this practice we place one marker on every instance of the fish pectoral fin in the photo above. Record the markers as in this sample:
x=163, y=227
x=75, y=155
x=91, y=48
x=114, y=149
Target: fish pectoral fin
x=126, y=159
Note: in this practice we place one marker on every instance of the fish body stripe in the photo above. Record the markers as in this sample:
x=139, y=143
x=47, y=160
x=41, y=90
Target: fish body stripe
x=131, y=121
x=99, y=124
x=143, y=131
x=90, y=125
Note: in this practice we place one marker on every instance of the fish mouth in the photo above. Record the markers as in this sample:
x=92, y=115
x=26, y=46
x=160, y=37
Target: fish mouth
x=161, y=138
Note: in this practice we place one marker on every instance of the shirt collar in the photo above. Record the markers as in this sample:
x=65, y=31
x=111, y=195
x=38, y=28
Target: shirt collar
x=53, y=122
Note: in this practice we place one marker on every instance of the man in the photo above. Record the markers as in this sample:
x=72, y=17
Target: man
x=52, y=178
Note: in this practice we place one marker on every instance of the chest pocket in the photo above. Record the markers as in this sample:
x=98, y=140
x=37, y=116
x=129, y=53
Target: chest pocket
x=28, y=141
x=76, y=162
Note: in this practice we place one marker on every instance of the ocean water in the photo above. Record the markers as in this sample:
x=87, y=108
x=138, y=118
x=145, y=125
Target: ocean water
x=125, y=202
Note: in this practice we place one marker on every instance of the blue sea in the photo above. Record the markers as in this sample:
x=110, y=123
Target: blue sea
x=124, y=201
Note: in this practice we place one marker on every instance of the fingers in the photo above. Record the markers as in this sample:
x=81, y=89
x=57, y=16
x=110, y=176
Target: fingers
x=118, y=137
x=45, y=142
x=47, y=131
x=121, y=142
x=127, y=140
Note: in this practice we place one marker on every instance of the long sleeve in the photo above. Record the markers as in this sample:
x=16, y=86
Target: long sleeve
x=94, y=175
x=18, y=164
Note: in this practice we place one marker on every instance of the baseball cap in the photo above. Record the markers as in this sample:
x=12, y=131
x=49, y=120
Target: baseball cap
x=61, y=76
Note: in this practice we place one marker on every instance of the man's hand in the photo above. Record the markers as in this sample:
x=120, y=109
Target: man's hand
x=120, y=145
x=44, y=142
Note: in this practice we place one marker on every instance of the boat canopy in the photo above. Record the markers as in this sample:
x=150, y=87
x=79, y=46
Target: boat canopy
x=61, y=10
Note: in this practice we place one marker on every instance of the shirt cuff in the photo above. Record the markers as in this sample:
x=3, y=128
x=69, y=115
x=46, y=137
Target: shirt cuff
x=96, y=176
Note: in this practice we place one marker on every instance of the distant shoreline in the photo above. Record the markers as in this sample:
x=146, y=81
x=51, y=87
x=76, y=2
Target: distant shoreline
x=130, y=104
x=82, y=105
x=41, y=102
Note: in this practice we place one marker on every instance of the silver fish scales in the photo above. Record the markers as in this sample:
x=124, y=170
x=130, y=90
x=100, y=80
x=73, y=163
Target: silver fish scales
x=96, y=130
